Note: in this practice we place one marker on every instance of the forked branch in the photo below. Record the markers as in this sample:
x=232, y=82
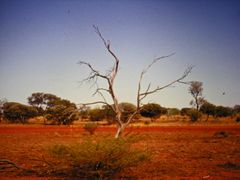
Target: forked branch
x=142, y=95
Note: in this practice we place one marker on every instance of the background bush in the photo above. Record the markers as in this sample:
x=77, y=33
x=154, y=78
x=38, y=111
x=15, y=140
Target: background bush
x=152, y=110
x=16, y=112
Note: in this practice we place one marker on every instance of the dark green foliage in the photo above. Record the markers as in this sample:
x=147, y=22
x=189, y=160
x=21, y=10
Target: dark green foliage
x=62, y=111
x=62, y=114
x=16, y=112
x=184, y=111
x=173, y=111
x=208, y=108
x=42, y=101
x=194, y=114
x=96, y=114
x=54, y=108
x=127, y=110
x=152, y=110
x=98, y=159
x=90, y=127
x=109, y=114
x=222, y=111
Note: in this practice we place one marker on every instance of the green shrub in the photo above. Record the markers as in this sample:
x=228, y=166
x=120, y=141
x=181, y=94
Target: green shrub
x=15, y=112
x=222, y=111
x=98, y=159
x=96, y=114
x=194, y=114
x=90, y=127
x=173, y=111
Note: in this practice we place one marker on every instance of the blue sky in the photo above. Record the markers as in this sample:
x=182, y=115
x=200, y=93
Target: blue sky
x=41, y=42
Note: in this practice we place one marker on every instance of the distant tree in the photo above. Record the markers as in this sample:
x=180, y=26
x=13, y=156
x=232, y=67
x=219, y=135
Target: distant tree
x=109, y=114
x=236, y=109
x=127, y=110
x=184, y=111
x=173, y=111
x=195, y=90
x=42, y=101
x=96, y=114
x=152, y=110
x=16, y=112
x=84, y=111
x=208, y=108
x=193, y=114
x=62, y=111
x=222, y=111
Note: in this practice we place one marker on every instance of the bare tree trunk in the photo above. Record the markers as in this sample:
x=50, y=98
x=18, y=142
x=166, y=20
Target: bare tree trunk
x=110, y=78
x=119, y=131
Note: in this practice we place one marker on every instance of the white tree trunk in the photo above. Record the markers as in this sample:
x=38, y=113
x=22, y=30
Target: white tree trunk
x=119, y=131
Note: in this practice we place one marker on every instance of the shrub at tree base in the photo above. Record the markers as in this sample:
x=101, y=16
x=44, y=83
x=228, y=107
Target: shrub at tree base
x=194, y=114
x=98, y=159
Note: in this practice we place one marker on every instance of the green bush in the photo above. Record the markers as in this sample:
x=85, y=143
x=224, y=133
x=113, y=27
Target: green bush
x=152, y=110
x=173, y=111
x=194, y=114
x=96, y=114
x=97, y=159
x=15, y=112
x=222, y=111
x=90, y=127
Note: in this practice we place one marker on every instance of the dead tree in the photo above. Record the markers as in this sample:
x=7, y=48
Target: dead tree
x=110, y=78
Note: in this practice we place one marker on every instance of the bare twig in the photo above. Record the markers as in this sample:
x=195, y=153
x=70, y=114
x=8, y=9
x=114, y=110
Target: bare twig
x=5, y=163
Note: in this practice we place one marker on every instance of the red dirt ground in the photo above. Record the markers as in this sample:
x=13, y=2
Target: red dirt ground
x=178, y=152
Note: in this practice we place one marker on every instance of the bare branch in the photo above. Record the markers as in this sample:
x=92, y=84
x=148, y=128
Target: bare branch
x=185, y=74
x=155, y=61
x=107, y=44
x=141, y=96
x=144, y=71
x=93, y=72
x=92, y=103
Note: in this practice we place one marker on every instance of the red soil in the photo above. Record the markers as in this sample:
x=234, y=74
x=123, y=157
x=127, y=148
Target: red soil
x=185, y=151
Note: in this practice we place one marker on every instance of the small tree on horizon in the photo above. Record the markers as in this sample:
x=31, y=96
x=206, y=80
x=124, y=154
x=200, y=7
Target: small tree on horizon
x=196, y=90
x=109, y=78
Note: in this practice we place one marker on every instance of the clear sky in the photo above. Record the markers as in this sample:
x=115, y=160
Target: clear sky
x=41, y=42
